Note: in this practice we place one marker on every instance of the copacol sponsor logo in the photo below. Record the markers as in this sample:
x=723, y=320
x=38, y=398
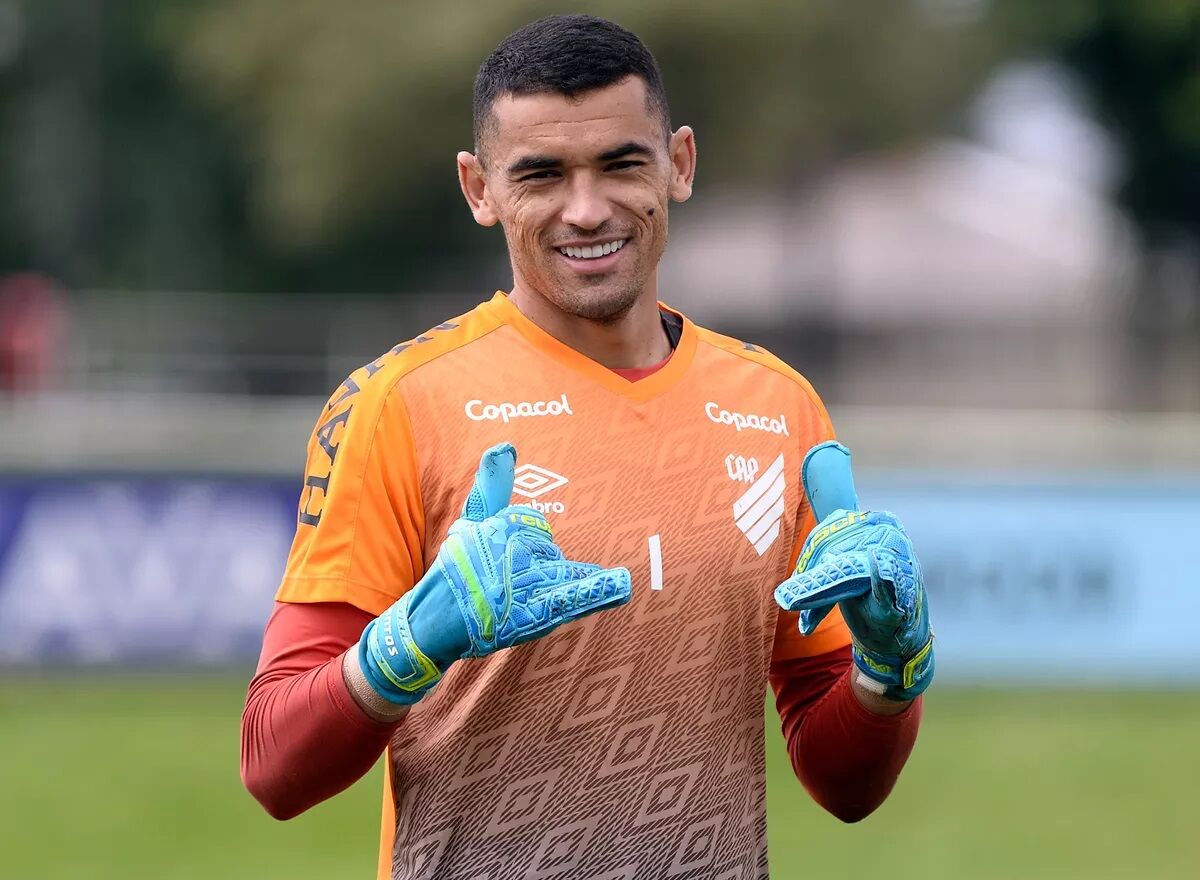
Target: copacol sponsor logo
x=743, y=422
x=478, y=411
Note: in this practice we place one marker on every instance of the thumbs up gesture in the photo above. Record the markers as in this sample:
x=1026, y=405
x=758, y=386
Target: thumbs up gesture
x=498, y=580
x=865, y=562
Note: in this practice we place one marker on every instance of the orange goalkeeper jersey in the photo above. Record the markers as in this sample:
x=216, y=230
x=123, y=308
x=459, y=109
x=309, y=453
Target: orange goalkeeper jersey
x=628, y=744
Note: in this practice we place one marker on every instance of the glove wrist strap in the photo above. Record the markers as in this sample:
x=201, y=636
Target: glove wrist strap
x=390, y=659
x=902, y=677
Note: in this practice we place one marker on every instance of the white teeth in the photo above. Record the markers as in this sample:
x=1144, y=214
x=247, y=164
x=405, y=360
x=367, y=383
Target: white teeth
x=594, y=251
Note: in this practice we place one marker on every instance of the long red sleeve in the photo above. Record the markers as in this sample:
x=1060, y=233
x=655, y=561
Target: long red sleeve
x=304, y=739
x=846, y=757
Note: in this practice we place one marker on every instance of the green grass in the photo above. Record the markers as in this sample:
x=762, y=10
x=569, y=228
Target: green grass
x=136, y=777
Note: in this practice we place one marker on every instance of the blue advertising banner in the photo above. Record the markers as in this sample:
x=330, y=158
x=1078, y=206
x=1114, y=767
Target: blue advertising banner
x=1060, y=581
x=140, y=570
x=1065, y=582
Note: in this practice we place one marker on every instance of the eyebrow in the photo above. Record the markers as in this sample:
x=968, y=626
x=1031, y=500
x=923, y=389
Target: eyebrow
x=633, y=148
x=532, y=163
x=541, y=163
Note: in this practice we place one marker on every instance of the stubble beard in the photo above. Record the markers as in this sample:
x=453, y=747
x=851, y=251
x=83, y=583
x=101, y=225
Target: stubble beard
x=602, y=298
x=599, y=298
x=607, y=307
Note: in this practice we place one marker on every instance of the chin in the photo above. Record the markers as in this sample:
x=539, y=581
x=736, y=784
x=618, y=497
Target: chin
x=599, y=305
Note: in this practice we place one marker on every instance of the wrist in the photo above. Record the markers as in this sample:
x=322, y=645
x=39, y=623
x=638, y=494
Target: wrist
x=392, y=663
x=900, y=674
x=870, y=695
x=371, y=702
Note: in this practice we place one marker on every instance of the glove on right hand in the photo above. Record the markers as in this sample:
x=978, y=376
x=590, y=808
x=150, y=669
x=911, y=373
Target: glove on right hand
x=498, y=580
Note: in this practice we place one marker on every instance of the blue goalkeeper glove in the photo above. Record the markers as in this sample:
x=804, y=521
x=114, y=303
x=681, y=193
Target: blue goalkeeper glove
x=865, y=562
x=498, y=580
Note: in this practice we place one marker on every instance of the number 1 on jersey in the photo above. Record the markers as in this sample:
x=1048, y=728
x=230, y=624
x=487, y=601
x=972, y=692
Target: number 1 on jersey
x=656, y=580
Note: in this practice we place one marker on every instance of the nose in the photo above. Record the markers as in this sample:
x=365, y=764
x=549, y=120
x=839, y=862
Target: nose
x=587, y=206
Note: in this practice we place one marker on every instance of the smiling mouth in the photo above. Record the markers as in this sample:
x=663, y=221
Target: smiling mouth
x=593, y=252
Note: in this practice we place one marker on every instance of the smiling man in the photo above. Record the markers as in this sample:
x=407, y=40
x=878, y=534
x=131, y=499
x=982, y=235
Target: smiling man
x=547, y=717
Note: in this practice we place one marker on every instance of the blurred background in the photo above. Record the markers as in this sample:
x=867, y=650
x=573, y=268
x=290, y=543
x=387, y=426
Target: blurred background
x=974, y=225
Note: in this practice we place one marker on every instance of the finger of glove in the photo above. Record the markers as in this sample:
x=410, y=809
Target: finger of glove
x=810, y=618
x=828, y=480
x=542, y=575
x=838, y=577
x=895, y=587
x=605, y=588
x=492, y=490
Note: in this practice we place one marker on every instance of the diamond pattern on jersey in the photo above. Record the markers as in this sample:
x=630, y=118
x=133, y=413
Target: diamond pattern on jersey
x=629, y=872
x=632, y=746
x=521, y=802
x=484, y=755
x=722, y=697
x=696, y=847
x=555, y=654
x=667, y=794
x=560, y=851
x=426, y=854
x=695, y=645
x=597, y=698
x=629, y=744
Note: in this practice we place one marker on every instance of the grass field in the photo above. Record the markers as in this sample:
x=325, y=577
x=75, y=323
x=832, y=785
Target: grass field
x=134, y=777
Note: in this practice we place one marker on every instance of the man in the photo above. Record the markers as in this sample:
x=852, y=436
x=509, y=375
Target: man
x=628, y=742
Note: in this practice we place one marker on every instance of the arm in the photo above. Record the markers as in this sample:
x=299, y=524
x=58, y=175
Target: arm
x=847, y=757
x=304, y=735
x=334, y=681
x=850, y=725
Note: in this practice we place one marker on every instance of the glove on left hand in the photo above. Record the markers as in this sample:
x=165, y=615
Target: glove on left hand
x=865, y=562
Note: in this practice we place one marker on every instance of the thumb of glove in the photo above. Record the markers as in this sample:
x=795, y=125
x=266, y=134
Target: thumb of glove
x=829, y=487
x=492, y=490
x=828, y=481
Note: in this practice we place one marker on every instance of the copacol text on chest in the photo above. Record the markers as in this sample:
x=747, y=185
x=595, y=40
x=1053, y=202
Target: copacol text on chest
x=478, y=411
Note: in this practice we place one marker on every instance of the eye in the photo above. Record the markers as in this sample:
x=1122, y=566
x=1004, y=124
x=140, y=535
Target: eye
x=621, y=166
x=539, y=175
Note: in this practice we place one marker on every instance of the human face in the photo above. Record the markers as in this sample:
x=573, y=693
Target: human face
x=595, y=172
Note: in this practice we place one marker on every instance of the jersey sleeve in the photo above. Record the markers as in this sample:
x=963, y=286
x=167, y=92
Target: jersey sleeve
x=360, y=524
x=831, y=633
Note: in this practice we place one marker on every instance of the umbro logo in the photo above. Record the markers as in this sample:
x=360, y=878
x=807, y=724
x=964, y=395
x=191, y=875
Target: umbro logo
x=757, y=513
x=531, y=481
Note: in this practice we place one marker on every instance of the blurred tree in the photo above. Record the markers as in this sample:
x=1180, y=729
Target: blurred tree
x=109, y=177
x=1142, y=61
x=349, y=112
x=302, y=145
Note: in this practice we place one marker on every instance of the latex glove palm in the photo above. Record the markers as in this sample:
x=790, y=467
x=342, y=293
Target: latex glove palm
x=865, y=562
x=498, y=580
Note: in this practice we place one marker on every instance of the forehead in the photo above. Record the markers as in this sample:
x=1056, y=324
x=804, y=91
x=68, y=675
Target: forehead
x=553, y=123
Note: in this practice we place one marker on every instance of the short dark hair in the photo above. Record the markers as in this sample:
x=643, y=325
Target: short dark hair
x=568, y=55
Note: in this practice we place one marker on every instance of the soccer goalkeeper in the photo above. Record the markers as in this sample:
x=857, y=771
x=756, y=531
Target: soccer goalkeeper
x=572, y=685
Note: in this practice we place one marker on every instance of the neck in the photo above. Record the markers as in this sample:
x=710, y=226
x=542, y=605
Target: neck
x=636, y=339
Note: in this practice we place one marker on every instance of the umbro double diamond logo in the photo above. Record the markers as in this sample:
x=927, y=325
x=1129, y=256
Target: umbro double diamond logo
x=759, y=511
x=531, y=481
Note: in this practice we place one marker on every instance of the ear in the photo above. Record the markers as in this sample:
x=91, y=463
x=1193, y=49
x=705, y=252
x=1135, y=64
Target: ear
x=682, y=150
x=473, y=180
